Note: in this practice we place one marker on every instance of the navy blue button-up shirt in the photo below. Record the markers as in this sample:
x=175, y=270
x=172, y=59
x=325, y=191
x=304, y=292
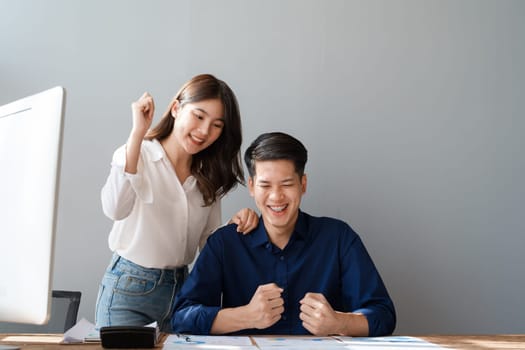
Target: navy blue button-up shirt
x=324, y=255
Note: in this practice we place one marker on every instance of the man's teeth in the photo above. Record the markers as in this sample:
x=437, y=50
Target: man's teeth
x=278, y=209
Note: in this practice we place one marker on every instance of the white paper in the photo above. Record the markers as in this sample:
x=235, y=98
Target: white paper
x=390, y=342
x=183, y=341
x=297, y=342
x=305, y=347
x=82, y=331
x=207, y=347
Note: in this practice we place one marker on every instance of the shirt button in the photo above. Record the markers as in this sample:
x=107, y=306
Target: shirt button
x=284, y=318
x=282, y=258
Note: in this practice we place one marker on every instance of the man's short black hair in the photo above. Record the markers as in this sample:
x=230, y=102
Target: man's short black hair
x=276, y=146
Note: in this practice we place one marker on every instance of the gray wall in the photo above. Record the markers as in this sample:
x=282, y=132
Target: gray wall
x=412, y=112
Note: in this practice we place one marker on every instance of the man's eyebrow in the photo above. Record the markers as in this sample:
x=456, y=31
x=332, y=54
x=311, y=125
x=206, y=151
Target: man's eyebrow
x=287, y=180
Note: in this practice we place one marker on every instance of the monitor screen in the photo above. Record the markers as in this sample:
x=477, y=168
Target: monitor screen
x=30, y=156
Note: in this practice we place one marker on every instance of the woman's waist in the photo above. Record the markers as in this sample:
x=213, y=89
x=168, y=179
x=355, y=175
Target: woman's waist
x=166, y=274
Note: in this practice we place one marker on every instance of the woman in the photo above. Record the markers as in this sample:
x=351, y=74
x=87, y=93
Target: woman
x=163, y=193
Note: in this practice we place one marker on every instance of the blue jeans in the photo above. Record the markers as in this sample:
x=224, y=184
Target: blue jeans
x=132, y=295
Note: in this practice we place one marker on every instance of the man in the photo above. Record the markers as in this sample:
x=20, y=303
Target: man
x=294, y=274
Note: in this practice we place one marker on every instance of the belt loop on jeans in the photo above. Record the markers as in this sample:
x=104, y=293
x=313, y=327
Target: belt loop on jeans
x=114, y=260
x=180, y=274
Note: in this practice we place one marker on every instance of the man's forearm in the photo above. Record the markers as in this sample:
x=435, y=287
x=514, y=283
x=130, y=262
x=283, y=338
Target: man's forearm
x=230, y=320
x=352, y=324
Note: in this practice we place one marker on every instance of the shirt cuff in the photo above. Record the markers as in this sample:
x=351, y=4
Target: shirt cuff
x=194, y=319
x=376, y=325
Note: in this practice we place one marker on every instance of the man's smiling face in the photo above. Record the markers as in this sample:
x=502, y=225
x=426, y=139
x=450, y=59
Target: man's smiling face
x=277, y=190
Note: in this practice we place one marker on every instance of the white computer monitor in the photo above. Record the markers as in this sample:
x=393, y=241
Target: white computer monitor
x=30, y=157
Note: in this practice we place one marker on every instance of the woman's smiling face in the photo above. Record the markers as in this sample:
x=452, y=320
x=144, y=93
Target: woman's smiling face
x=198, y=124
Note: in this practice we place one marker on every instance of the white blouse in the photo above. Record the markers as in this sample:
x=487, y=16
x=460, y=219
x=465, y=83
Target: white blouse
x=159, y=222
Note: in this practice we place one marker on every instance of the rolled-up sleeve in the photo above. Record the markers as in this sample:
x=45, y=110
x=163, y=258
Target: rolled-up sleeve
x=199, y=300
x=121, y=189
x=364, y=290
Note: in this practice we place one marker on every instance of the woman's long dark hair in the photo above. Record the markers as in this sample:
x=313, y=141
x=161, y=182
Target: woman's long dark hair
x=217, y=168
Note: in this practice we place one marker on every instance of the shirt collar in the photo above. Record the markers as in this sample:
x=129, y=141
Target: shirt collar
x=156, y=152
x=259, y=236
x=153, y=150
x=301, y=226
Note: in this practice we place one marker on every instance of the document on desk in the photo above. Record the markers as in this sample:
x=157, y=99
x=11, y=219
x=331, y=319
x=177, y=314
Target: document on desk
x=298, y=342
x=82, y=332
x=389, y=342
x=186, y=341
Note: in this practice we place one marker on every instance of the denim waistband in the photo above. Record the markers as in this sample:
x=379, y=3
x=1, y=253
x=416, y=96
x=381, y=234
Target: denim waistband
x=178, y=274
